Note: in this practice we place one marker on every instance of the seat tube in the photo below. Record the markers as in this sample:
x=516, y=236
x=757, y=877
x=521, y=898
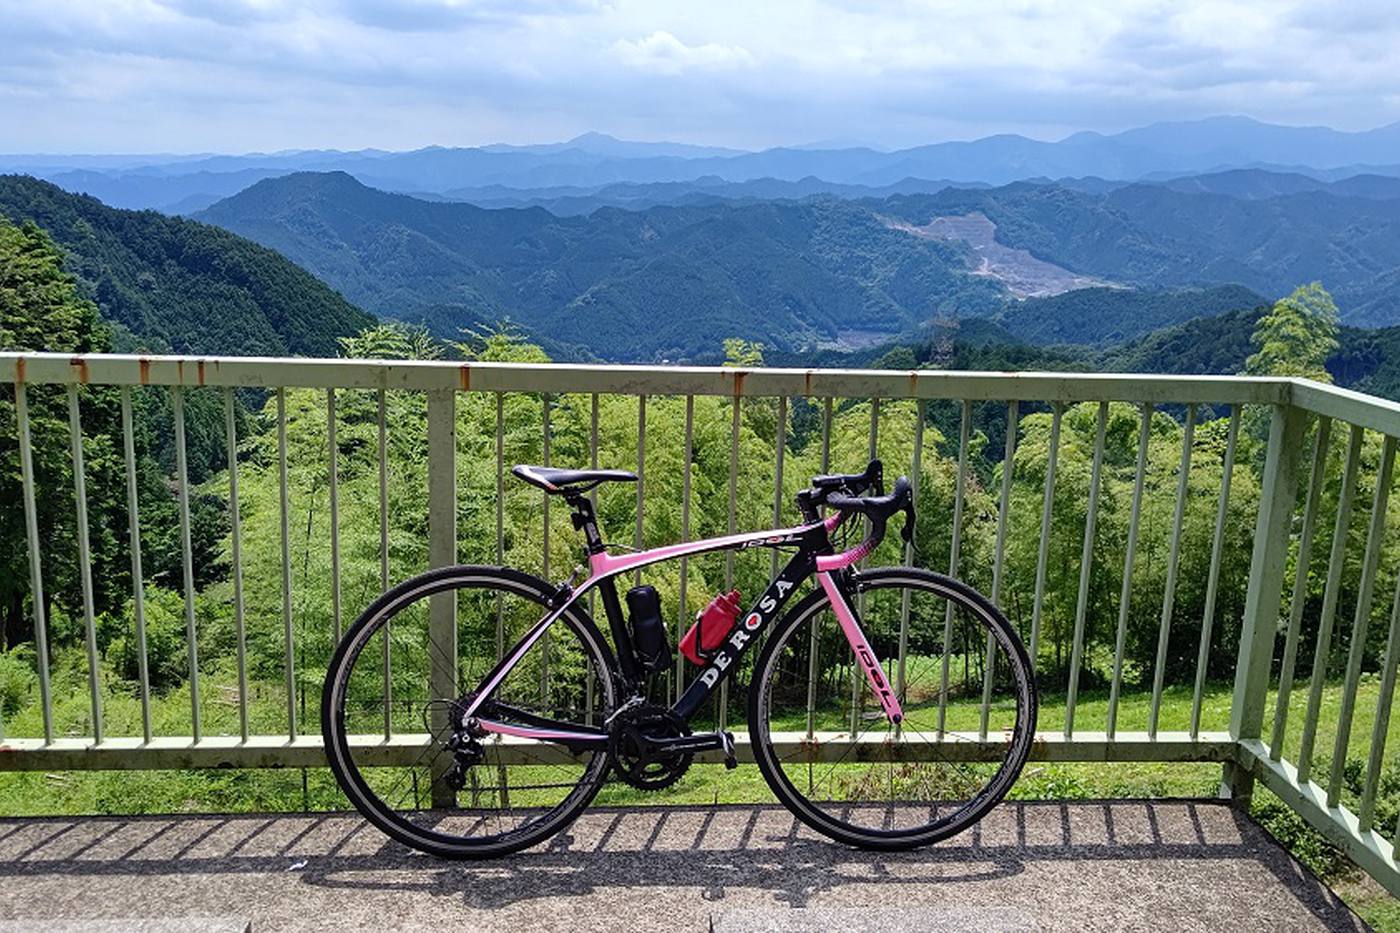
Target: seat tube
x=617, y=624
x=586, y=521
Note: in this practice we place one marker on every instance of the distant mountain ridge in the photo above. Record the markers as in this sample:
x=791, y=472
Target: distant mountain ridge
x=569, y=201
x=596, y=160
x=1258, y=183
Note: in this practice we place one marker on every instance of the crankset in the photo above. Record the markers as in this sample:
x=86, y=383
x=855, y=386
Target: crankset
x=651, y=747
x=641, y=741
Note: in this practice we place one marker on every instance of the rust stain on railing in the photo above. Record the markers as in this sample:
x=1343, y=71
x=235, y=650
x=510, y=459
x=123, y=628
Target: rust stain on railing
x=144, y=365
x=19, y=370
x=464, y=376
x=80, y=364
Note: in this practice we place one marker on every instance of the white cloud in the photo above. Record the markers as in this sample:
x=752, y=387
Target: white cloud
x=428, y=15
x=663, y=53
x=236, y=75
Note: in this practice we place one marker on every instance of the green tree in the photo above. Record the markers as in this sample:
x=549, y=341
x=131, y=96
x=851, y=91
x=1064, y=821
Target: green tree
x=41, y=309
x=741, y=352
x=1296, y=336
x=391, y=341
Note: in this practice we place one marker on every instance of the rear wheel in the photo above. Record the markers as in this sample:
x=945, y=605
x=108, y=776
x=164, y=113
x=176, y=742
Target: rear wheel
x=831, y=755
x=389, y=734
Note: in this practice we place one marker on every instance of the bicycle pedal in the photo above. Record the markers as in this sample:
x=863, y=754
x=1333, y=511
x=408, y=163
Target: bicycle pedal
x=727, y=743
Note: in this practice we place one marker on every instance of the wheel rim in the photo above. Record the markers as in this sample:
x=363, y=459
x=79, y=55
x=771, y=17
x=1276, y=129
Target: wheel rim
x=520, y=790
x=932, y=774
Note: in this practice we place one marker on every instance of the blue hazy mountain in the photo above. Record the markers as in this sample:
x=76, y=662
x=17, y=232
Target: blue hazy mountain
x=592, y=161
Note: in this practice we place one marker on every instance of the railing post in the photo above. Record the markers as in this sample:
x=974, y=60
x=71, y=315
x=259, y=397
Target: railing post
x=1265, y=593
x=442, y=552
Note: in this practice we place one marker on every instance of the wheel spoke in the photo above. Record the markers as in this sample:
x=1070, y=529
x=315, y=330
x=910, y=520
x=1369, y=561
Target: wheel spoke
x=514, y=793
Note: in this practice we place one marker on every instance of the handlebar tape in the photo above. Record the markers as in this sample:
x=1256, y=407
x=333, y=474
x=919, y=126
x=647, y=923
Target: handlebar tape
x=879, y=509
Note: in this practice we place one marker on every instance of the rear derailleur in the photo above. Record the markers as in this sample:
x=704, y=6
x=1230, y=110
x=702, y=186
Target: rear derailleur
x=467, y=752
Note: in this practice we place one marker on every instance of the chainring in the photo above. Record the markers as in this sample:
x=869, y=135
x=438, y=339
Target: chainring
x=628, y=746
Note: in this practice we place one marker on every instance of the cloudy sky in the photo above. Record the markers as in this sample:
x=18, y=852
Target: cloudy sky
x=244, y=75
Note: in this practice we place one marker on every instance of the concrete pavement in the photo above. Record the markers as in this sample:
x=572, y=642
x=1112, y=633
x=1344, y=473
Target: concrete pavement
x=1174, y=865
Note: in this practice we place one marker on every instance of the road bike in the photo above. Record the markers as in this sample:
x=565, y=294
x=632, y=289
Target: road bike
x=474, y=711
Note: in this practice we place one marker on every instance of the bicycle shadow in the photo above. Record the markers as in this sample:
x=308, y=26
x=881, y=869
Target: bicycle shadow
x=782, y=859
x=722, y=848
x=1040, y=852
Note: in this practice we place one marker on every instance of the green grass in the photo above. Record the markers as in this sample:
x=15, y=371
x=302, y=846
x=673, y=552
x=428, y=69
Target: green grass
x=224, y=791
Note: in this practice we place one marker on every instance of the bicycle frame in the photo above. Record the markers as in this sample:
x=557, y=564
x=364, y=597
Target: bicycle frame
x=814, y=557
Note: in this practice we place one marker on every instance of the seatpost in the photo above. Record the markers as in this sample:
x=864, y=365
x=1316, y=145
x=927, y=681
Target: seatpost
x=586, y=521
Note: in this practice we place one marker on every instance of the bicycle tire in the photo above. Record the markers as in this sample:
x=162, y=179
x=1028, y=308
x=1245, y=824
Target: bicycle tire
x=392, y=604
x=1018, y=743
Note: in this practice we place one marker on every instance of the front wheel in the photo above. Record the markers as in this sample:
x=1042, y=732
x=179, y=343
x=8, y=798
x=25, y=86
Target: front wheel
x=831, y=755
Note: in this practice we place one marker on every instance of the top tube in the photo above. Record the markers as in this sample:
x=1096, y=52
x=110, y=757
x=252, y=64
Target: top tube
x=605, y=565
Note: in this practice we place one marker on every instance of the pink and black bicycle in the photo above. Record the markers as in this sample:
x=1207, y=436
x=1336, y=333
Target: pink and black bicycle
x=888, y=708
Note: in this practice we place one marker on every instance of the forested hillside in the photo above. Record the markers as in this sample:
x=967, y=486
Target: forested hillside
x=1103, y=317
x=1155, y=237
x=667, y=282
x=1364, y=360
x=184, y=286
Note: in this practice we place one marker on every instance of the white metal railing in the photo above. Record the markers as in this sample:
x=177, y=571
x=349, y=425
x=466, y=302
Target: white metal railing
x=1293, y=410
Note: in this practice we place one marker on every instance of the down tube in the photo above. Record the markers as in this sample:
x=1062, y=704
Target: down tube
x=746, y=633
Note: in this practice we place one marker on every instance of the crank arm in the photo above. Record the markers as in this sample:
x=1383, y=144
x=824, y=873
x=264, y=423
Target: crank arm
x=688, y=744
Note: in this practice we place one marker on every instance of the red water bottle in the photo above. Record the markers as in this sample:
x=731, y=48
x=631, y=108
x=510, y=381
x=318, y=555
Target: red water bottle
x=712, y=626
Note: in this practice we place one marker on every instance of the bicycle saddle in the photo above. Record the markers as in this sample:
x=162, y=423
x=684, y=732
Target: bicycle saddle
x=558, y=481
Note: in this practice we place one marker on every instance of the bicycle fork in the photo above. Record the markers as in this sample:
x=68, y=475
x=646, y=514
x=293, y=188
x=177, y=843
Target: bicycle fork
x=865, y=655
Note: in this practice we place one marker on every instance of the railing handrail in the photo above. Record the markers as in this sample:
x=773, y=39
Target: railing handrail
x=1358, y=408
x=121, y=369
